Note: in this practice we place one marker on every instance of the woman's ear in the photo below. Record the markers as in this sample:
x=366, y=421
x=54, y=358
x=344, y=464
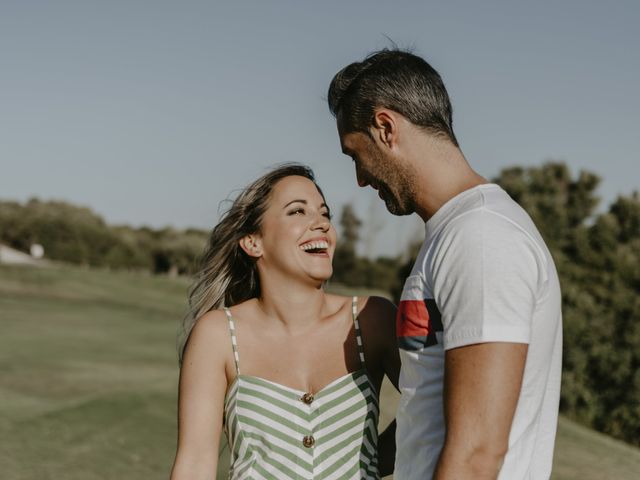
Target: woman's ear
x=252, y=245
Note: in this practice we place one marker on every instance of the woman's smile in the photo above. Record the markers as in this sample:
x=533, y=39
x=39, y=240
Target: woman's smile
x=316, y=247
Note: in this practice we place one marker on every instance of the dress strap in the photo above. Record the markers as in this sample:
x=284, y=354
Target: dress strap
x=356, y=324
x=234, y=342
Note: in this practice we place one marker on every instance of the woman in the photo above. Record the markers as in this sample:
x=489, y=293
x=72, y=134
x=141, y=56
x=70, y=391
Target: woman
x=289, y=371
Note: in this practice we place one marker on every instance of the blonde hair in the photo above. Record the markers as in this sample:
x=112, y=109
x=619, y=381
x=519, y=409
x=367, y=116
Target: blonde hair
x=227, y=275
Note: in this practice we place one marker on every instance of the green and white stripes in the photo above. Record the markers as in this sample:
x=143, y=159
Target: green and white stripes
x=234, y=340
x=277, y=432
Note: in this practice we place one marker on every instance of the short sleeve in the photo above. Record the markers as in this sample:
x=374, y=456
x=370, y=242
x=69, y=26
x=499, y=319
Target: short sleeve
x=486, y=278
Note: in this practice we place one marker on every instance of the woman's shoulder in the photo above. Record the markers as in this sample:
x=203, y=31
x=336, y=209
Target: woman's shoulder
x=377, y=317
x=219, y=318
x=376, y=308
x=372, y=308
x=209, y=340
x=210, y=327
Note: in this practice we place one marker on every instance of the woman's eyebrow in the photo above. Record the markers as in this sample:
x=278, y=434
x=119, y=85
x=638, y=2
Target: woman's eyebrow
x=322, y=205
x=295, y=201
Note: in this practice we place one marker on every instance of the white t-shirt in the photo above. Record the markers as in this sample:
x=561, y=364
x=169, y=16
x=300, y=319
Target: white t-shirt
x=483, y=274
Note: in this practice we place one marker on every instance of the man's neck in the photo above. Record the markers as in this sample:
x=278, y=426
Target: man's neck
x=442, y=173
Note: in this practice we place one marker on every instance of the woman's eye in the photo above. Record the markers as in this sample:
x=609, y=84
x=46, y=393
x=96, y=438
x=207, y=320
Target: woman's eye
x=299, y=211
x=327, y=215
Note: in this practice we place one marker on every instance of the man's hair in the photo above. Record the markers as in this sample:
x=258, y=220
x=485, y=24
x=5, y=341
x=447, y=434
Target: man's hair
x=393, y=79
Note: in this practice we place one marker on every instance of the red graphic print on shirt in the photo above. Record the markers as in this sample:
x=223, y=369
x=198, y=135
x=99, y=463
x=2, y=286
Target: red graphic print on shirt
x=417, y=322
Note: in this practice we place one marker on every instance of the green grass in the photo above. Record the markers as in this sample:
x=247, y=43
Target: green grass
x=89, y=377
x=89, y=374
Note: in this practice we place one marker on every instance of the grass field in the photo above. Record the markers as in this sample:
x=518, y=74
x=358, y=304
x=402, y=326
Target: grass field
x=89, y=375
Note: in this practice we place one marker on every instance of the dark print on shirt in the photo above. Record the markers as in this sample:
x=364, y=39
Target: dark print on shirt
x=417, y=322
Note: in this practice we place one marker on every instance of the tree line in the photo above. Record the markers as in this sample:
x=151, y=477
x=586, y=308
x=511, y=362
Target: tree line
x=74, y=234
x=597, y=256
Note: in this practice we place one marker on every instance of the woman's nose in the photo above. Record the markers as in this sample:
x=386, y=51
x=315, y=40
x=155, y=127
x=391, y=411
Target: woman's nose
x=321, y=223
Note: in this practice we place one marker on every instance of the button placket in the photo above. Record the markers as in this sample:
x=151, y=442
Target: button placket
x=309, y=441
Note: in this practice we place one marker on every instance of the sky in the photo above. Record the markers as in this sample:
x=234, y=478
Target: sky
x=155, y=112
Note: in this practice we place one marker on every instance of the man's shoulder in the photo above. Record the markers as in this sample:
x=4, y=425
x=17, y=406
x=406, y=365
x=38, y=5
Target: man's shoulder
x=497, y=216
x=470, y=207
x=490, y=233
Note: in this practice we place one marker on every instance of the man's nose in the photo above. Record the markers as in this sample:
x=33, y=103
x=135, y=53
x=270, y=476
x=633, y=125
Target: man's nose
x=362, y=182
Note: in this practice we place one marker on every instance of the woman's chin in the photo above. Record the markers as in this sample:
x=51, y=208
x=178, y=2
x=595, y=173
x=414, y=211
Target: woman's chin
x=321, y=276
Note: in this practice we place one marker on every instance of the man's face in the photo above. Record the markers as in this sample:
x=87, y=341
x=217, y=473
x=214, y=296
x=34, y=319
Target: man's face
x=381, y=171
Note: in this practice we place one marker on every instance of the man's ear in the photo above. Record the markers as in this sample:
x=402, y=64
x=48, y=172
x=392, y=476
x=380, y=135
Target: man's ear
x=384, y=128
x=252, y=245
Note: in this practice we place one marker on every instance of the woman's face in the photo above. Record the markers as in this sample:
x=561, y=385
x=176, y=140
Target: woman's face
x=297, y=237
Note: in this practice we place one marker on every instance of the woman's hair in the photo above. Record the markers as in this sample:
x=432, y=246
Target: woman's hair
x=226, y=274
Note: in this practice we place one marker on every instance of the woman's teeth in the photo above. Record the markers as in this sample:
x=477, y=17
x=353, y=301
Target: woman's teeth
x=320, y=245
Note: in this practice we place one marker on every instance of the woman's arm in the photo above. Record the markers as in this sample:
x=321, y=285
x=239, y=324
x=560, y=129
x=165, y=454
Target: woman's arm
x=391, y=363
x=203, y=384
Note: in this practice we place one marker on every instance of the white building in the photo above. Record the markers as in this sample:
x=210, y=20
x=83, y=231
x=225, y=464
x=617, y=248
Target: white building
x=10, y=256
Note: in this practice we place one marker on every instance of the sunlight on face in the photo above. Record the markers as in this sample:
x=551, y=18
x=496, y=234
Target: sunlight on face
x=297, y=235
x=379, y=171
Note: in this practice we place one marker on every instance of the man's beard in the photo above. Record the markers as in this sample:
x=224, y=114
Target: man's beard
x=393, y=204
x=396, y=204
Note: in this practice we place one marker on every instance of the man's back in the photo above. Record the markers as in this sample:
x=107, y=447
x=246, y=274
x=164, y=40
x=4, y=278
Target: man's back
x=483, y=275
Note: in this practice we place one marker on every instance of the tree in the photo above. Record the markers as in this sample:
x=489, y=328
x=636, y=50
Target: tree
x=345, y=262
x=598, y=260
x=556, y=203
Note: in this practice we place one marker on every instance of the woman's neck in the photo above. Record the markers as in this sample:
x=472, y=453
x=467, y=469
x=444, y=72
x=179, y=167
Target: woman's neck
x=294, y=305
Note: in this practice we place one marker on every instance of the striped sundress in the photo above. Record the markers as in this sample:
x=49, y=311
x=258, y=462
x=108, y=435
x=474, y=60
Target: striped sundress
x=278, y=432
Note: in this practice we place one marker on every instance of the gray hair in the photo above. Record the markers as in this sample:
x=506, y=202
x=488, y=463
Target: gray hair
x=393, y=79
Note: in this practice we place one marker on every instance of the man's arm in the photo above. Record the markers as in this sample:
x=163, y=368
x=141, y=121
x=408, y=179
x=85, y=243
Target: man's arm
x=482, y=387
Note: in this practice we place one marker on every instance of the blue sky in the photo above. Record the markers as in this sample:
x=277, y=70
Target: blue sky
x=153, y=112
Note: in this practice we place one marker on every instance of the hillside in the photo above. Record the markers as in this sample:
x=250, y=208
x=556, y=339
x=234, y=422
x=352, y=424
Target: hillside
x=88, y=389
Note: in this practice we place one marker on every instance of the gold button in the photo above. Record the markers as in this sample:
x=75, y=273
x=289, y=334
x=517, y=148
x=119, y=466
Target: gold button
x=308, y=441
x=307, y=398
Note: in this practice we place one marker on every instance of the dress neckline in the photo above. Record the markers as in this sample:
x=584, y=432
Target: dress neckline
x=296, y=391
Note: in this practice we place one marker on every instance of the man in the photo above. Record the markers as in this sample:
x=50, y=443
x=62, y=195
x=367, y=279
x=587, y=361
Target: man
x=479, y=322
